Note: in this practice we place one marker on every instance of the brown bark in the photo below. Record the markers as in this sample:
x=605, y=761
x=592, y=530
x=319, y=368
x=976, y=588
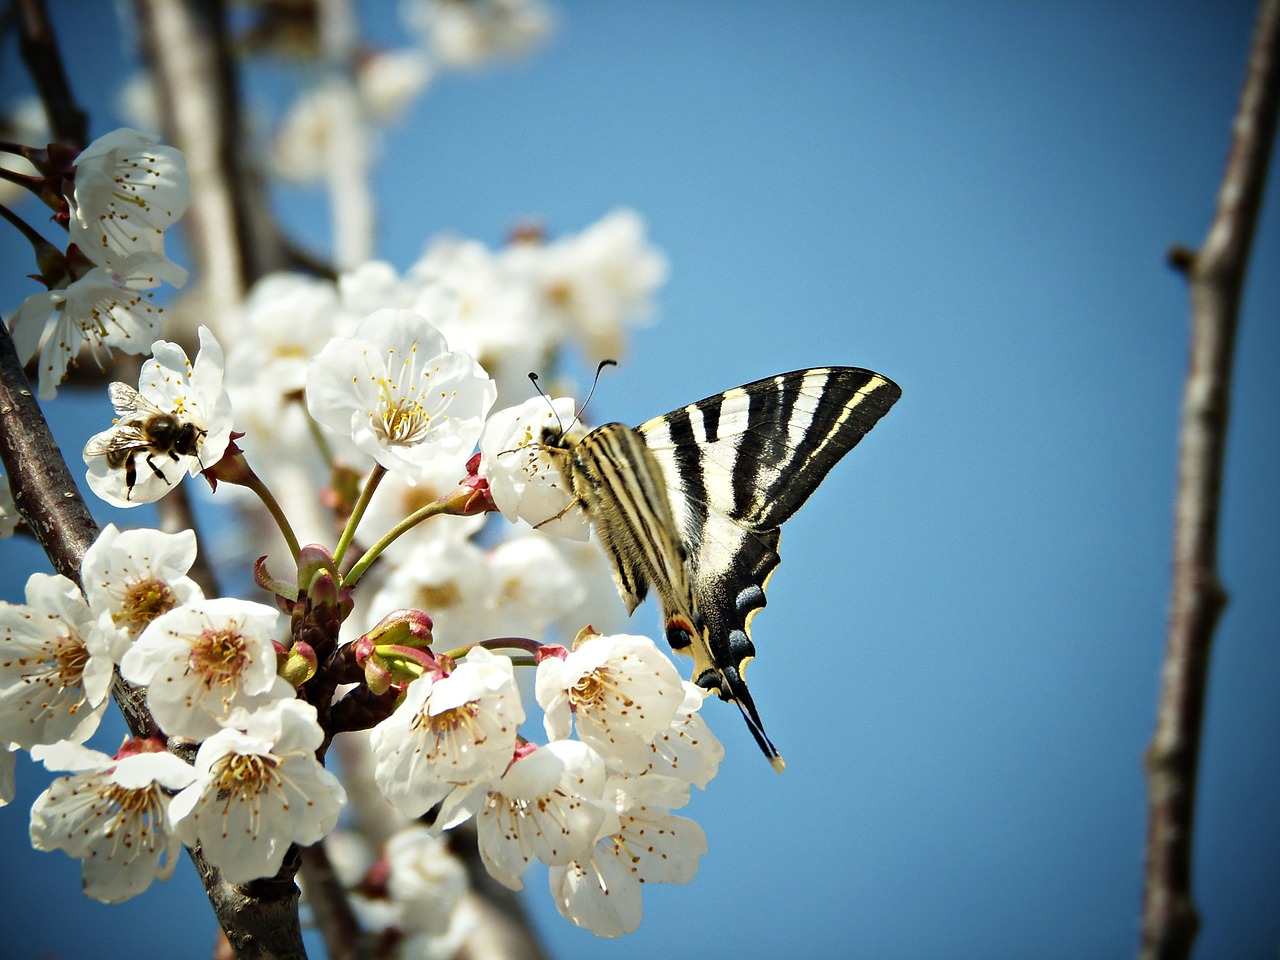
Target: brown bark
x=1216, y=275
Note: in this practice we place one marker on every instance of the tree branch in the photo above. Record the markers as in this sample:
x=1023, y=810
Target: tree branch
x=1216, y=276
x=69, y=124
x=234, y=239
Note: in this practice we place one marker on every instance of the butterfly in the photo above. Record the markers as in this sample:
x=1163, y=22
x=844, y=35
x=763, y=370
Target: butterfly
x=690, y=504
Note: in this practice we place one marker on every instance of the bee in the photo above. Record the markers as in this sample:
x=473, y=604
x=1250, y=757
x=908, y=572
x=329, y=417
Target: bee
x=143, y=428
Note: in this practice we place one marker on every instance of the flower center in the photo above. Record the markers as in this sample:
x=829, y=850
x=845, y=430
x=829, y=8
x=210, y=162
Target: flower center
x=593, y=689
x=219, y=657
x=139, y=803
x=144, y=600
x=456, y=730
x=246, y=773
x=438, y=596
x=70, y=656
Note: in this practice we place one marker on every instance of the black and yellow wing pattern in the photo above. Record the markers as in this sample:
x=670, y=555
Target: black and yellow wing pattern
x=690, y=504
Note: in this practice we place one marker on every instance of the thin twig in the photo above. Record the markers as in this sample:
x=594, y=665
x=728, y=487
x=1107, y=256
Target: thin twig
x=350, y=193
x=234, y=238
x=330, y=907
x=1216, y=276
x=69, y=123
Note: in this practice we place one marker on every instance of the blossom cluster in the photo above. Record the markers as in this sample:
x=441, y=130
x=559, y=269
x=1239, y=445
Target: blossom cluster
x=117, y=198
x=372, y=423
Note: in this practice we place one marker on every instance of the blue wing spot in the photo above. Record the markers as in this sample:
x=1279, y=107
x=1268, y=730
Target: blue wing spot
x=751, y=597
x=740, y=646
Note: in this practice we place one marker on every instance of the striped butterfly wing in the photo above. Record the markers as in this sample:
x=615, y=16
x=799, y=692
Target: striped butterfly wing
x=736, y=466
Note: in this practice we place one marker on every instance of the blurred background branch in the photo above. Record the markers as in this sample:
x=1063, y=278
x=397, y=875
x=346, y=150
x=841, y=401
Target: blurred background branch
x=1216, y=276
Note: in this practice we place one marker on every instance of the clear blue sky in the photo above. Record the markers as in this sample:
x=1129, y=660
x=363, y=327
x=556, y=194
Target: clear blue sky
x=961, y=652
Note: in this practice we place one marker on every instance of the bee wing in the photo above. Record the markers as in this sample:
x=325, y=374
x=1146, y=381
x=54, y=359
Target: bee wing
x=129, y=401
x=121, y=438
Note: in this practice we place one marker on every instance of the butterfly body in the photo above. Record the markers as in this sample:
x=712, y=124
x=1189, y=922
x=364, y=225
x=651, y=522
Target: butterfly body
x=689, y=504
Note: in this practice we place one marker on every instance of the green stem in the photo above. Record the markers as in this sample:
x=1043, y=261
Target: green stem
x=353, y=521
x=317, y=434
x=254, y=483
x=452, y=503
x=42, y=246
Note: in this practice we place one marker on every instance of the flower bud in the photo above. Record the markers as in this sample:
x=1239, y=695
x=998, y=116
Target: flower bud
x=301, y=664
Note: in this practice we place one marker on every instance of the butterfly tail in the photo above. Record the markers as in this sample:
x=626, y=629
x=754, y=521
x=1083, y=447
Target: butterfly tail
x=731, y=686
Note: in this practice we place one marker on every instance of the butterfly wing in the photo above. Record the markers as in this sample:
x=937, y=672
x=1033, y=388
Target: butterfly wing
x=738, y=465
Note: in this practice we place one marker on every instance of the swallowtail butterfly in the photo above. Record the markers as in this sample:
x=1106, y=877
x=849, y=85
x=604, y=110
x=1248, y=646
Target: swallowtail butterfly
x=690, y=504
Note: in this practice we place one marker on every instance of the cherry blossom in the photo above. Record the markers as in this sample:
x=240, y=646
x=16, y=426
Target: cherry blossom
x=108, y=308
x=129, y=189
x=593, y=284
x=132, y=577
x=471, y=34
x=259, y=788
x=55, y=665
x=524, y=478
x=192, y=433
x=450, y=731
x=687, y=749
x=620, y=692
x=203, y=660
x=112, y=814
x=548, y=804
x=399, y=394
x=601, y=892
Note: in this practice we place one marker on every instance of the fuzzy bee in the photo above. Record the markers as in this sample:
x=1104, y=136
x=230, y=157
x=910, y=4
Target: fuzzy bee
x=143, y=429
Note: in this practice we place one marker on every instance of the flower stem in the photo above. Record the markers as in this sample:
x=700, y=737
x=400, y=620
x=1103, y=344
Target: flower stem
x=317, y=434
x=353, y=521
x=453, y=503
x=254, y=483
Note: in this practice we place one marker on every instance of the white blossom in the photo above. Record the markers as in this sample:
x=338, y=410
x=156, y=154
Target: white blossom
x=130, y=578
x=195, y=412
x=533, y=585
x=259, y=788
x=548, y=804
x=55, y=665
x=387, y=81
x=492, y=313
x=203, y=660
x=8, y=781
x=593, y=284
x=456, y=730
x=524, y=478
x=478, y=31
x=621, y=692
x=449, y=580
x=129, y=189
x=112, y=814
x=105, y=309
x=397, y=392
x=600, y=606
x=397, y=498
x=601, y=892
x=9, y=515
x=426, y=882
x=687, y=749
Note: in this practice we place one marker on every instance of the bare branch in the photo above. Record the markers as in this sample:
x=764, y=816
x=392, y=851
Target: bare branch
x=68, y=122
x=1216, y=276
x=233, y=236
x=43, y=489
x=330, y=906
x=348, y=153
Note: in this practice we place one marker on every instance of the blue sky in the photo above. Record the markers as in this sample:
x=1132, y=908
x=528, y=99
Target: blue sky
x=961, y=652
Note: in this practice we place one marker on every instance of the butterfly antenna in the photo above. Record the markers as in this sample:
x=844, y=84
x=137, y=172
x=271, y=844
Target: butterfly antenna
x=592, y=392
x=533, y=378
